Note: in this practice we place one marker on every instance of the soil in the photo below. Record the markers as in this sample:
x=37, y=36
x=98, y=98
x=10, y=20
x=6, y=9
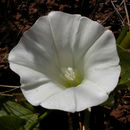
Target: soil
x=16, y=16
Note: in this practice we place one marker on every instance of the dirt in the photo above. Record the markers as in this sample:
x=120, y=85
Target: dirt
x=17, y=16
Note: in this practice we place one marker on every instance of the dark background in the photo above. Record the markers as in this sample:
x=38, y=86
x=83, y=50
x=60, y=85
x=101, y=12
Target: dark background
x=16, y=16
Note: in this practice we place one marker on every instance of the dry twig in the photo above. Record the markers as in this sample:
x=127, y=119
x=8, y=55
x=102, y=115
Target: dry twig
x=8, y=91
x=111, y=14
x=7, y=95
x=127, y=15
x=120, y=17
x=9, y=86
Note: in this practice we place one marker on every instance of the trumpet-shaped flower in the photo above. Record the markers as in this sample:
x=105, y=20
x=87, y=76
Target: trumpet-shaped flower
x=66, y=62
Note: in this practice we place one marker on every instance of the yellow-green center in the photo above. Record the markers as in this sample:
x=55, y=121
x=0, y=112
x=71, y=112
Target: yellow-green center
x=71, y=78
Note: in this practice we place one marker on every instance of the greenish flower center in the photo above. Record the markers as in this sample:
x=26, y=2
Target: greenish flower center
x=71, y=78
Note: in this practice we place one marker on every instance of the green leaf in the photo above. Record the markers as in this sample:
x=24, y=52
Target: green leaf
x=110, y=101
x=126, y=41
x=125, y=65
x=16, y=109
x=2, y=110
x=28, y=106
x=35, y=122
x=24, y=111
x=11, y=123
x=122, y=34
x=19, y=110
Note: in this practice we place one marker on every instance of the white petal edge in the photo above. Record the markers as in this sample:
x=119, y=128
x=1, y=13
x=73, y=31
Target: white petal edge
x=72, y=95
x=102, y=62
x=77, y=99
x=35, y=86
x=36, y=50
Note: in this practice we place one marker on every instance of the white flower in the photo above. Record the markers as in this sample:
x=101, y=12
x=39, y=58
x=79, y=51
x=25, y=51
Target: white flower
x=66, y=62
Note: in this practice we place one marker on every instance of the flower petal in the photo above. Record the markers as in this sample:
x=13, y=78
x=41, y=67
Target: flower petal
x=61, y=101
x=102, y=62
x=42, y=92
x=89, y=94
x=63, y=26
x=36, y=87
x=87, y=32
x=36, y=50
x=60, y=41
x=78, y=98
x=73, y=36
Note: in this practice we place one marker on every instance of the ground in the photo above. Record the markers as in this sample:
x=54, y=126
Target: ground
x=18, y=16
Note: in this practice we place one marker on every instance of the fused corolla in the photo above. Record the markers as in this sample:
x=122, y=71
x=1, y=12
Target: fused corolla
x=66, y=62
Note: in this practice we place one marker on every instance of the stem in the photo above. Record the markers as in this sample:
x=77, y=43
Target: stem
x=35, y=122
x=70, y=122
x=86, y=119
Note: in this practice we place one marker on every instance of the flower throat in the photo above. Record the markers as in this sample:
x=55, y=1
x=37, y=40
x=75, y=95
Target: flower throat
x=71, y=78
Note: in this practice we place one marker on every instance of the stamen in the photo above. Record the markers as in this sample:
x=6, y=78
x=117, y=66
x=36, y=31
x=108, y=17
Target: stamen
x=70, y=77
x=69, y=74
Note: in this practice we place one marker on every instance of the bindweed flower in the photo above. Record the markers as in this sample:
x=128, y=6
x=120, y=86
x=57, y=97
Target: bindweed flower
x=66, y=62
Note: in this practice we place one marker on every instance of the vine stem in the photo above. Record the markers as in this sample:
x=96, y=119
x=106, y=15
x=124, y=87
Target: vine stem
x=70, y=121
x=86, y=122
x=35, y=122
